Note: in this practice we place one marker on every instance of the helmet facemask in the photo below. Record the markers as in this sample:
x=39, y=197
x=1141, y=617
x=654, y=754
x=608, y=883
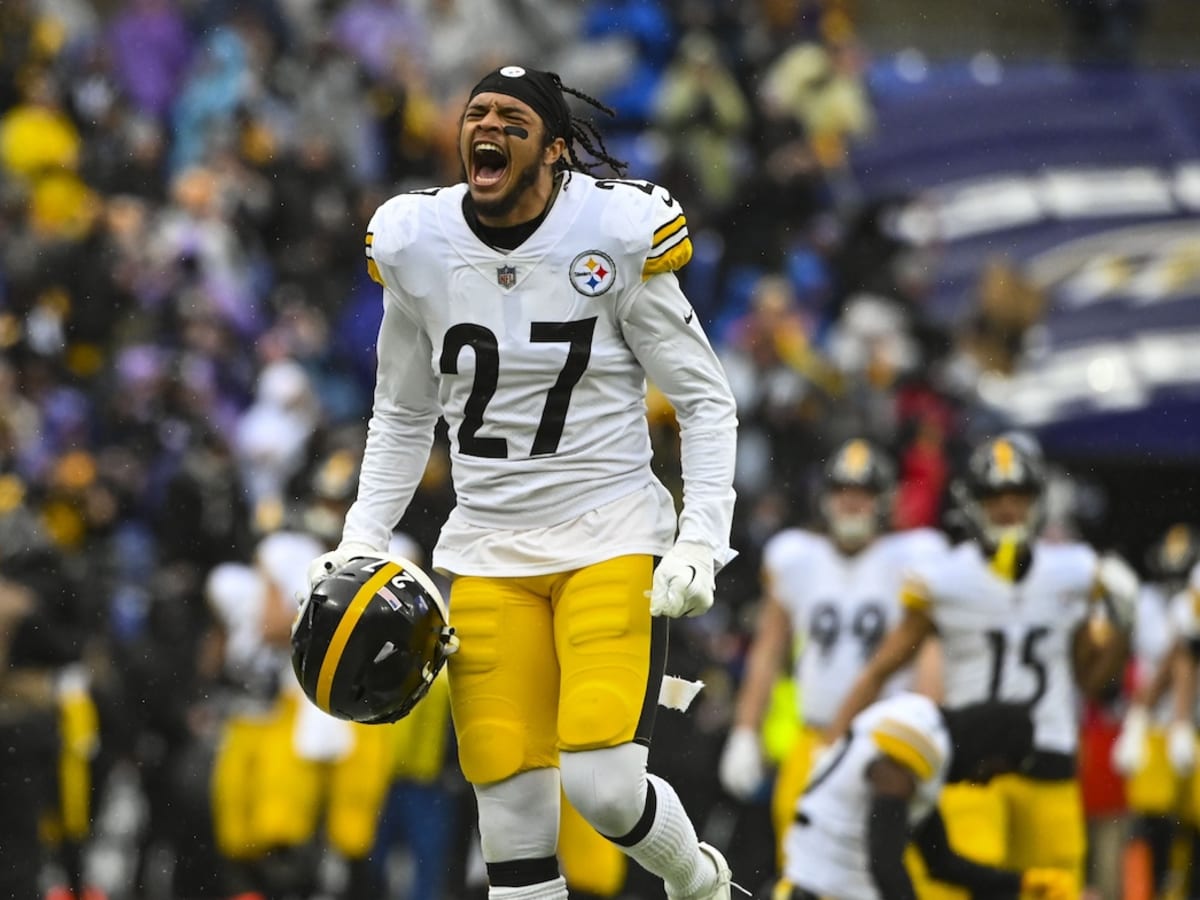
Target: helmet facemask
x=1002, y=470
x=370, y=639
x=853, y=530
x=860, y=477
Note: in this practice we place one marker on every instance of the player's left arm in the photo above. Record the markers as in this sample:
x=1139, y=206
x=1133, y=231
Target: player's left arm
x=662, y=330
x=1099, y=652
x=946, y=864
x=1101, y=644
x=1185, y=670
x=892, y=787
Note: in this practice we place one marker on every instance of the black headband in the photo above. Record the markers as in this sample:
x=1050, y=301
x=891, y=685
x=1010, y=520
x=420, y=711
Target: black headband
x=542, y=91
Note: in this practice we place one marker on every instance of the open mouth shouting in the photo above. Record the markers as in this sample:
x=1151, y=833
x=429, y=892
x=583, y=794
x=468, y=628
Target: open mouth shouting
x=489, y=163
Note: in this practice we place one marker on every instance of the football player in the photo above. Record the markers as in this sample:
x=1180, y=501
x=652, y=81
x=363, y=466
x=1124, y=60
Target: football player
x=528, y=305
x=1017, y=618
x=1185, y=714
x=1152, y=752
x=284, y=768
x=878, y=786
x=840, y=593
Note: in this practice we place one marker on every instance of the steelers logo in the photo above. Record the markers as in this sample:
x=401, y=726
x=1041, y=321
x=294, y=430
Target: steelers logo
x=512, y=71
x=592, y=273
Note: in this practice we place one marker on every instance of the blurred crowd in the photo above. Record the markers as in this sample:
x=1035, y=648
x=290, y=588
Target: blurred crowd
x=187, y=330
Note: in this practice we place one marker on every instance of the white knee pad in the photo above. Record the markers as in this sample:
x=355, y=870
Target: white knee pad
x=607, y=786
x=518, y=817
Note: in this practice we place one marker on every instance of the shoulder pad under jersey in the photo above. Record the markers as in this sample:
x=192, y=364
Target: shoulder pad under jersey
x=650, y=220
x=789, y=546
x=394, y=226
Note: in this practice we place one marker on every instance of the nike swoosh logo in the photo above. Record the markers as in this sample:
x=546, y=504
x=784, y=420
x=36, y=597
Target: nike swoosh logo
x=687, y=320
x=693, y=578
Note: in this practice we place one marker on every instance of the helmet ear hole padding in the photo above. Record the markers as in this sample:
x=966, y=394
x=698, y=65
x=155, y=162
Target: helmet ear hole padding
x=370, y=638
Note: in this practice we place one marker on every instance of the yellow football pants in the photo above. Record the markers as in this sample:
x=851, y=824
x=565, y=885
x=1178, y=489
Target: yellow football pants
x=1016, y=823
x=1155, y=789
x=79, y=734
x=264, y=795
x=549, y=663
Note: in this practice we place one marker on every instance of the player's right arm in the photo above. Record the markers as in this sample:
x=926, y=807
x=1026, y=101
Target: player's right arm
x=405, y=407
x=892, y=787
x=1185, y=670
x=898, y=649
x=763, y=663
x=741, y=767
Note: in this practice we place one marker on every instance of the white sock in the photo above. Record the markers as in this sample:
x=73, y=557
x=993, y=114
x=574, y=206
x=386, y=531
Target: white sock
x=670, y=848
x=546, y=890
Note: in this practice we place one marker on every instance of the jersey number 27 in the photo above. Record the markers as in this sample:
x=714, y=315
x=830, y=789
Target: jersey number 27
x=483, y=343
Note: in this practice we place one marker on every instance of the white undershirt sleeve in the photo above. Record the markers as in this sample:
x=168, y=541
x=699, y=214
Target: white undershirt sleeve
x=400, y=432
x=660, y=327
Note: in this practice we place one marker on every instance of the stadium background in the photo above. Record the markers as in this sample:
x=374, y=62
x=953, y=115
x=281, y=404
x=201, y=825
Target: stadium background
x=911, y=221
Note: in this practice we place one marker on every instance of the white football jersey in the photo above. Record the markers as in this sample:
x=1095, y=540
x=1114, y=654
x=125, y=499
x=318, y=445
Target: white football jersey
x=1152, y=639
x=1011, y=641
x=537, y=358
x=840, y=607
x=1184, y=611
x=1184, y=617
x=825, y=850
x=238, y=595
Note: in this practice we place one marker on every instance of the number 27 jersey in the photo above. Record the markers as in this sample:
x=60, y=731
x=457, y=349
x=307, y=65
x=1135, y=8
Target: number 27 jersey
x=537, y=357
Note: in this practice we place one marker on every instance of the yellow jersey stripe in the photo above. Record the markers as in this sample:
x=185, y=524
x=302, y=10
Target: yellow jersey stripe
x=903, y=753
x=373, y=271
x=908, y=746
x=341, y=634
x=913, y=737
x=915, y=595
x=667, y=230
x=669, y=261
x=668, y=244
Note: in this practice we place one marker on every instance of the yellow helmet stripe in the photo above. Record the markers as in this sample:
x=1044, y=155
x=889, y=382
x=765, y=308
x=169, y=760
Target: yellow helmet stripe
x=1004, y=458
x=856, y=459
x=1176, y=545
x=341, y=635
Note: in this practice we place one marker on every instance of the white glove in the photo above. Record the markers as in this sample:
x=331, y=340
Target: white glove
x=1181, y=747
x=683, y=582
x=741, y=769
x=329, y=562
x=1129, y=749
x=1120, y=586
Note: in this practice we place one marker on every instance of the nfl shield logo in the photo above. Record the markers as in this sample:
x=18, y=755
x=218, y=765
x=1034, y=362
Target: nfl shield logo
x=506, y=276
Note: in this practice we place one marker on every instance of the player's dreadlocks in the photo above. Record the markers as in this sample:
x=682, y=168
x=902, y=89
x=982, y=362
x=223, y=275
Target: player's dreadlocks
x=544, y=92
x=587, y=135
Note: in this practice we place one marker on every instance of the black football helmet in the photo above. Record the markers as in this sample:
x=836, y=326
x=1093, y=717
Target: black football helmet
x=370, y=638
x=1009, y=463
x=858, y=464
x=1172, y=557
